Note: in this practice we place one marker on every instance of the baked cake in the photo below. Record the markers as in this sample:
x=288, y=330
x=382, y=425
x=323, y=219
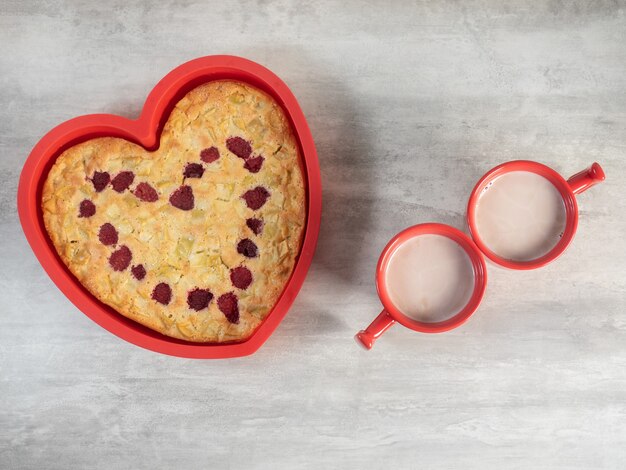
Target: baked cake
x=197, y=239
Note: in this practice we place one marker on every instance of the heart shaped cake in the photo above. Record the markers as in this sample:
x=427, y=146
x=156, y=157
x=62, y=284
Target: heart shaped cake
x=198, y=238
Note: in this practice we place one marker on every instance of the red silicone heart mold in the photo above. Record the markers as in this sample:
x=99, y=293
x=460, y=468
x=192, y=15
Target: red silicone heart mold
x=146, y=131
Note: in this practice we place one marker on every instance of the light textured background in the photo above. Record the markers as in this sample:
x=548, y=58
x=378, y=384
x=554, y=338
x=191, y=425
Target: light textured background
x=409, y=103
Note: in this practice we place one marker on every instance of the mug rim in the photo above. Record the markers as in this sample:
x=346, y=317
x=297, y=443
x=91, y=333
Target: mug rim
x=479, y=269
x=567, y=196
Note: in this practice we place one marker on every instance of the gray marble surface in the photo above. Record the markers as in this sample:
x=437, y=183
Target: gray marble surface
x=409, y=103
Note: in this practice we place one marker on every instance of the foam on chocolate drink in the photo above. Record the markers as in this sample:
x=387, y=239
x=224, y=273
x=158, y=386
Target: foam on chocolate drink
x=520, y=216
x=430, y=278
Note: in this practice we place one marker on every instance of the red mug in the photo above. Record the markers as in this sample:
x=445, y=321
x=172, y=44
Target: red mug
x=391, y=314
x=567, y=189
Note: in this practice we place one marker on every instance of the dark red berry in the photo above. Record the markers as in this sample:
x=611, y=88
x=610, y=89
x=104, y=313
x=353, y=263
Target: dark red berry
x=193, y=170
x=138, y=271
x=100, y=180
x=162, y=293
x=210, y=155
x=146, y=193
x=247, y=248
x=86, y=209
x=241, y=277
x=122, y=181
x=253, y=165
x=120, y=258
x=229, y=306
x=199, y=299
x=239, y=147
x=107, y=234
x=255, y=198
x=182, y=198
x=256, y=225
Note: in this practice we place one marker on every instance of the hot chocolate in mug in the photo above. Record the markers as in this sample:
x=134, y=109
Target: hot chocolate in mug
x=523, y=215
x=432, y=277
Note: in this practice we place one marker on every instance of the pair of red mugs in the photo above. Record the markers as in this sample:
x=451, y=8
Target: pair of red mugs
x=475, y=248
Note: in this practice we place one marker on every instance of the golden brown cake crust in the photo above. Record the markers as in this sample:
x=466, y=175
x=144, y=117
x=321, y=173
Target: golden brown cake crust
x=186, y=249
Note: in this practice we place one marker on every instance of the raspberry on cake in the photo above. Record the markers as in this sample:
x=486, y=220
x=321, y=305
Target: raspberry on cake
x=183, y=198
x=197, y=239
x=254, y=164
x=146, y=193
x=86, y=209
x=100, y=180
x=122, y=181
x=210, y=154
x=256, y=225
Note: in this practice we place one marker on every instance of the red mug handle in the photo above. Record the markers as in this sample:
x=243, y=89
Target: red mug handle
x=381, y=323
x=586, y=179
